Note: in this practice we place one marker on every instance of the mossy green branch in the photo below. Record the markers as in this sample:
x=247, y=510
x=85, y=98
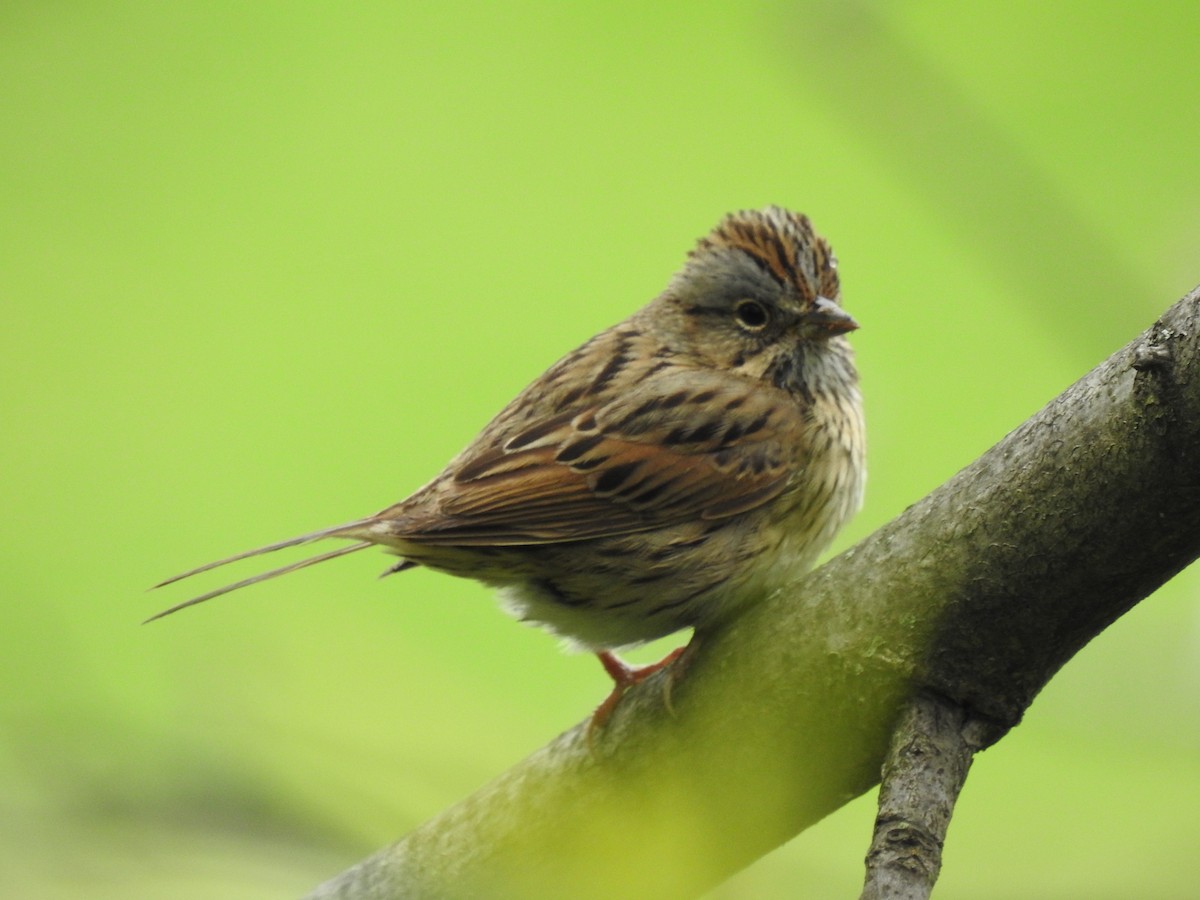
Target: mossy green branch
x=978, y=593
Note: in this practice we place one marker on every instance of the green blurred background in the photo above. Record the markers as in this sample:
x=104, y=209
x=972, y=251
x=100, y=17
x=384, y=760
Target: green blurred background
x=265, y=267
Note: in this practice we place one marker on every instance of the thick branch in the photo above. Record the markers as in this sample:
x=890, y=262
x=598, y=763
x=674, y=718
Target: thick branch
x=978, y=593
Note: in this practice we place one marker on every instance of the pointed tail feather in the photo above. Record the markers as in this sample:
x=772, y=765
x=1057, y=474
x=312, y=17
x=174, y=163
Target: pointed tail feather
x=403, y=566
x=255, y=579
x=349, y=529
x=353, y=529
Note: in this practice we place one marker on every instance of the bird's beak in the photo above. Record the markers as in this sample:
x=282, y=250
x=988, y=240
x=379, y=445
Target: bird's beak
x=828, y=315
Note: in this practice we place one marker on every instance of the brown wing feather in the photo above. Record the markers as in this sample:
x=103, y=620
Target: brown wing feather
x=695, y=444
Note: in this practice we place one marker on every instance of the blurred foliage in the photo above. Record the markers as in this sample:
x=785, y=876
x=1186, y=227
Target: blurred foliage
x=267, y=266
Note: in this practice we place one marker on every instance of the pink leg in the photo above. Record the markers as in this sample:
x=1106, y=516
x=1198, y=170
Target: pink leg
x=624, y=677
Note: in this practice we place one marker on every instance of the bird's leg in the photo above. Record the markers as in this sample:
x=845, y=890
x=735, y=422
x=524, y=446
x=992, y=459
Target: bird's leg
x=624, y=677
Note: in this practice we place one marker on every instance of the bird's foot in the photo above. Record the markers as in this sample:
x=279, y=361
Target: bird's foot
x=624, y=677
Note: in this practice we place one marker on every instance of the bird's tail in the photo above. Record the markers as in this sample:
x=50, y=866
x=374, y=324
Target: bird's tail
x=349, y=530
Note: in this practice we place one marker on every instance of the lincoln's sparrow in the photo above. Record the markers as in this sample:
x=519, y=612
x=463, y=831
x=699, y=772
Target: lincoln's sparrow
x=694, y=456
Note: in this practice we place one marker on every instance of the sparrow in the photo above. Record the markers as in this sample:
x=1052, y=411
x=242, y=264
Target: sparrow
x=688, y=460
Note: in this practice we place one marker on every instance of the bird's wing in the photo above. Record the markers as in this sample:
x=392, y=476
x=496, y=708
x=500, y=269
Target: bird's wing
x=693, y=444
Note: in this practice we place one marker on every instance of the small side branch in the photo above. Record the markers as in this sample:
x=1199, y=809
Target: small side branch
x=931, y=752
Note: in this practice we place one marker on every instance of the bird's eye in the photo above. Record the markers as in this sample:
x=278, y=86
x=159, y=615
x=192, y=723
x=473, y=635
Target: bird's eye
x=751, y=315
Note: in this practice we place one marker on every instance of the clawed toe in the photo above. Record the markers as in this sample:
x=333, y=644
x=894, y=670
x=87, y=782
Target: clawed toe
x=624, y=677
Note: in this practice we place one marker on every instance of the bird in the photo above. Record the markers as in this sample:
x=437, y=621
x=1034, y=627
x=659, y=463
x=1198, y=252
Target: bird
x=695, y=456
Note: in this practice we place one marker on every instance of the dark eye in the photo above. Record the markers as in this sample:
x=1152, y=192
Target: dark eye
x=751, y=315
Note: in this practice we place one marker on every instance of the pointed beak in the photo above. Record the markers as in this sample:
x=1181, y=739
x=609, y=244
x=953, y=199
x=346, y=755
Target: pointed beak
x=829, y=316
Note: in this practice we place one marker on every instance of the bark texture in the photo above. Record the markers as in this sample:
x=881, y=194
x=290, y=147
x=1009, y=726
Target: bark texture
x=931, y=752
x=977, y=594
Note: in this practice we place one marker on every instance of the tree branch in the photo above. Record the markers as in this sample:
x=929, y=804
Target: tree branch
x=977, y=594
x=931, y=751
